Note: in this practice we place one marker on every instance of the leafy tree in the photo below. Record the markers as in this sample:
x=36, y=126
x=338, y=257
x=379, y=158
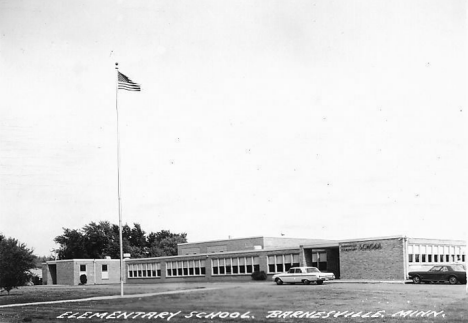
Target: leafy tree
x=15, y=262
x=72, y=245
x=164, y=243
x=97, y=240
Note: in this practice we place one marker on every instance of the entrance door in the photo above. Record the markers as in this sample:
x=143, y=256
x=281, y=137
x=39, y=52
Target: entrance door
x=319, y=259
x=53, y=274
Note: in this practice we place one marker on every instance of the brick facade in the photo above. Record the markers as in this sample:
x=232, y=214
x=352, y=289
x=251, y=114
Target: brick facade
x=377, y=259
x=67, y=272
x=242, y=244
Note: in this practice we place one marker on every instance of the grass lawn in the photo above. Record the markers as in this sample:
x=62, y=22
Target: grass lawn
x=251, y=302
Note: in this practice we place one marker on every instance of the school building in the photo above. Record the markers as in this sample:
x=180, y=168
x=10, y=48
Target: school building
x=381, y=258
x=69, y=272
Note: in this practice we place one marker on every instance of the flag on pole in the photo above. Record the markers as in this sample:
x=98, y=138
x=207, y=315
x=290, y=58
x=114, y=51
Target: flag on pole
x=126, y=84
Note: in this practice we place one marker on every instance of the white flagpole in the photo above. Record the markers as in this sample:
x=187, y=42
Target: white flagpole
x=118, y=181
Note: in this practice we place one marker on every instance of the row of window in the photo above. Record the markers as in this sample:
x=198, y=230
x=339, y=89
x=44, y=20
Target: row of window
x=185, y=268
x=219, y=266
x=234, y=266
x=435, y=253
x=282, y=263
x=144, y=270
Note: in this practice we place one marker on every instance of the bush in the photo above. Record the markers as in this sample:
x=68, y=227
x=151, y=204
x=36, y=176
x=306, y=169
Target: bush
x=259, y=275
x=83, y=279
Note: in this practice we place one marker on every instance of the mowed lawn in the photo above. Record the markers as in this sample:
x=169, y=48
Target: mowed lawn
x=248, y=301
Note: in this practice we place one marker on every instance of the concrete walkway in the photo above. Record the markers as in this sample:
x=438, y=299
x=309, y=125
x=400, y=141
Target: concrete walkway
x=367, y=281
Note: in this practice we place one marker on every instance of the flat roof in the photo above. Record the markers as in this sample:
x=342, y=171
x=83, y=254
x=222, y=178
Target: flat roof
x=220, y=240
x=247, y=238
x=78, y=260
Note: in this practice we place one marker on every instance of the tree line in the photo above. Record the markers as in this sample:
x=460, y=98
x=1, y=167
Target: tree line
x=98, y=240
x=94, y=240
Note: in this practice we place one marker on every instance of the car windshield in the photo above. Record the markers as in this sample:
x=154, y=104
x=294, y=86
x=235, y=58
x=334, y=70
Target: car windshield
x=458, y=268
x=313, y=270
x=437, y=268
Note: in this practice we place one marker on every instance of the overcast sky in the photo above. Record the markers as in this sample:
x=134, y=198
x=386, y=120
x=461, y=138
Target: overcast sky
x=326, y=119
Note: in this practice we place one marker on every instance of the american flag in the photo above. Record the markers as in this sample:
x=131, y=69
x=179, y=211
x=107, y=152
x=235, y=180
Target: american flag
x=126, y=84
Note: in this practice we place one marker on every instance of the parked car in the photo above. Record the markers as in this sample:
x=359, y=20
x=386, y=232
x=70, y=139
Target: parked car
x=304, y=275
x=442, y=273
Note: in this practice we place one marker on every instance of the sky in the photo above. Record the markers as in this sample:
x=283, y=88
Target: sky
x=327, y=119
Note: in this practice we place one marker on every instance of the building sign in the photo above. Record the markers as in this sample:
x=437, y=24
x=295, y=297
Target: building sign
x=361, y=246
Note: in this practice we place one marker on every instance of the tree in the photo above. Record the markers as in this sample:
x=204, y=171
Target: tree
x=100, y=239
x=97, y=240
x=164, y=243
x=72, y=245
x=15, y=262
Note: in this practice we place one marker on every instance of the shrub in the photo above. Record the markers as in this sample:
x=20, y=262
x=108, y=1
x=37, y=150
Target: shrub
x=83, y=279
x=259, y=275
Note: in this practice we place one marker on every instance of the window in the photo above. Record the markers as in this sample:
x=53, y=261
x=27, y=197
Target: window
x=249, y=265
x=282, y=262
x=235, y=265
x=435, y=253
x=104, y=272
x=83, y=268
x=279, y=263
x=146, y=270
x=242, y=265
x=185, y=268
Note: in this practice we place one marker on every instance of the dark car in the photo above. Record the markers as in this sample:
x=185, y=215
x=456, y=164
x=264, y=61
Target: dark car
x=443, y=273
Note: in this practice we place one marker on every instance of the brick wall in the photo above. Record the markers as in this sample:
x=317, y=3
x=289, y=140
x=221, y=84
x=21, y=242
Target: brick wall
x=65, y=273
x=113, y=272
x=290, y=242
x=225, y=245
x=372, y=259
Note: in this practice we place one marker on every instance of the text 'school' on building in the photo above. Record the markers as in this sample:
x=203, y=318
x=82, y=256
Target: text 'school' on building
x=382, y=258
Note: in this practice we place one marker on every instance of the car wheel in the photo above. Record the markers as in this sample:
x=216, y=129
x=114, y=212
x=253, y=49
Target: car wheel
x=306, y=282
x=416, y=280
x=453, y=280
x=278, y=281
x=319, y=282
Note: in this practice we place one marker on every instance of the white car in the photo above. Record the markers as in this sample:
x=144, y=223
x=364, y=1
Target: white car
x=304, y=275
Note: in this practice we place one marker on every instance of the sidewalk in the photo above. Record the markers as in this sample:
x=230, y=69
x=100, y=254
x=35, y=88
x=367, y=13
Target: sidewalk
x=367, y=281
